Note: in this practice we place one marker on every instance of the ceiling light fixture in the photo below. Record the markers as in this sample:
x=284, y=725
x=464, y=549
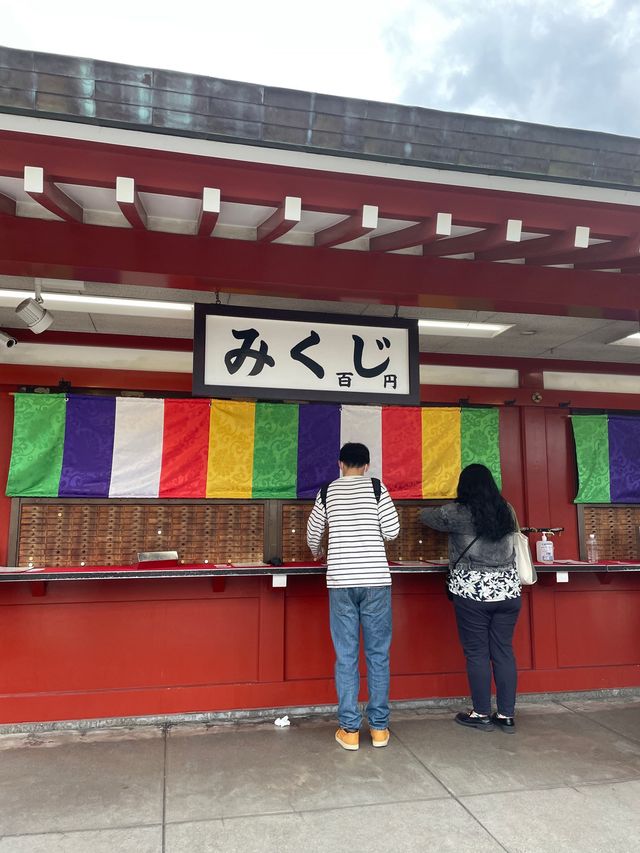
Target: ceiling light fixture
x=105, y=304
x=463, y=330
x=33, y=313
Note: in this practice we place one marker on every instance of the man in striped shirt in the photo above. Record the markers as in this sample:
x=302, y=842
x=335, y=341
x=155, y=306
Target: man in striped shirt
x=360, y=515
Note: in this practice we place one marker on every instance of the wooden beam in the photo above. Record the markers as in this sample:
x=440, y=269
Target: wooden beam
x=7, y=205
x=38, y=187
x=615, y=253
x=129, y=202
x=488, y=238
x=281, y=220
x=44, y=249
x=348, y=229
x=566, y=241
x=415, y=235
x=209, y=212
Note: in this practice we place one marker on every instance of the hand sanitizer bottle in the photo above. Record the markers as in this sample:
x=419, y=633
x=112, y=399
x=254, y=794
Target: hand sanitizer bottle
x=544, y=550
x=592, y=549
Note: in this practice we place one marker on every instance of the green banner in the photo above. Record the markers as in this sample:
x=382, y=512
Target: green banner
x=275, y=455
x=480, y=432
x=38, y=445
x=591, y=434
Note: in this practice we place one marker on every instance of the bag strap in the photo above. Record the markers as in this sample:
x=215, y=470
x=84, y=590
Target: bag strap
x=323, y=495
x=375, y=482
x=473, y=542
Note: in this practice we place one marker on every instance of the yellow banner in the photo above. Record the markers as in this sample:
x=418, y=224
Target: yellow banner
x=230, y=463
x=441, y=452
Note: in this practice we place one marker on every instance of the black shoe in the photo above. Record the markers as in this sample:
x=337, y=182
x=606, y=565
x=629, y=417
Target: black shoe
x=505, y=724
x=483, y=723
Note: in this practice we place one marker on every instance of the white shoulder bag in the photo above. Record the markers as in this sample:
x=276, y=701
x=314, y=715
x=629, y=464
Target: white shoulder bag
x=524, y=563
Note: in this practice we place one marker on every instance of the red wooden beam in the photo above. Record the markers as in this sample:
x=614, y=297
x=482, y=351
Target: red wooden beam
x=7, y=205
x=491, y=237
x=209, y=212
x=43, y=190
x=129, y=202
x=37, y=248
x=348, y=229
x=416, y=235
x=554, y=244
x=97, y=164
x=614, y=253
x=281, y=220
x=92, y=377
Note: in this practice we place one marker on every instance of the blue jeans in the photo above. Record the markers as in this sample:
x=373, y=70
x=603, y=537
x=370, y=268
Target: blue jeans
x=349, y=608
x=486, y=631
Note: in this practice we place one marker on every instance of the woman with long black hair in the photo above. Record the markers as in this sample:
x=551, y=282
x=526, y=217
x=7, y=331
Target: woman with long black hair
x=485, y=588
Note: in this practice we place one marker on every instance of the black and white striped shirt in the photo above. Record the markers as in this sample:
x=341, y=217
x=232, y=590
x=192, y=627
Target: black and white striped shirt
x=358, y=526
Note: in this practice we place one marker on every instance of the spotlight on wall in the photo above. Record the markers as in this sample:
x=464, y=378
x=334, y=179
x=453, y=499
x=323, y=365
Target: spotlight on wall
x=33, y=312
x=6, y=340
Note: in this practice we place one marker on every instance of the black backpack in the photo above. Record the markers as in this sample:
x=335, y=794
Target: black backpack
x=375, y=482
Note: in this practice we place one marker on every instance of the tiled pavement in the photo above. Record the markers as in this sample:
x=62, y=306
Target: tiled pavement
x=569, y=780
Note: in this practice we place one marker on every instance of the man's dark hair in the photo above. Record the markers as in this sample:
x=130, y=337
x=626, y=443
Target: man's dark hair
x=354, y=455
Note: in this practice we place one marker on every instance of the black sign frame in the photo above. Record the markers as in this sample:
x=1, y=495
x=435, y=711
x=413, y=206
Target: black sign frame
x=201, y=389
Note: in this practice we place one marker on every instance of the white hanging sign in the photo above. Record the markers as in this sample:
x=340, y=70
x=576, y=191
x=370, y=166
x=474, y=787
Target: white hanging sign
x=289, y=355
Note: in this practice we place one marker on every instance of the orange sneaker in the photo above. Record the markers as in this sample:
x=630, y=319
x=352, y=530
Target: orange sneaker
x=348, y=740
x=379, y=737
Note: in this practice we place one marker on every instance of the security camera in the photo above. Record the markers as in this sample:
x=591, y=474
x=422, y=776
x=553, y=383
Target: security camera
x=6, y=340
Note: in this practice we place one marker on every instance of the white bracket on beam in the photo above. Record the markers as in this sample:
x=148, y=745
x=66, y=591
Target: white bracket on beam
x=514, y=231
x=33, y=179
x=583, y=233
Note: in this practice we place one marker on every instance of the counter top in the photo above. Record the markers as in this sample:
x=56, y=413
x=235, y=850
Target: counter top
x=172, y=569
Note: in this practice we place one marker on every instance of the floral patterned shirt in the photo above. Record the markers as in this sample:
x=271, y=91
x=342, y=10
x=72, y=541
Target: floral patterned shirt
x=485, y=586
x=496, y=577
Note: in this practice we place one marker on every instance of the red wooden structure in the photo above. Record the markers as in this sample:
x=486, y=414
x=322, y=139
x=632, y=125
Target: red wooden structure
x=164, y=646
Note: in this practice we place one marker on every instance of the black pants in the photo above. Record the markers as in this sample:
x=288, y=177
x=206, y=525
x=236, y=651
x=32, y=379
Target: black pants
x=486, y=630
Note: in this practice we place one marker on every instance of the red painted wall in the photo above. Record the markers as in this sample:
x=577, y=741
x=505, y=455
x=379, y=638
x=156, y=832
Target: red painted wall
x=112, y=648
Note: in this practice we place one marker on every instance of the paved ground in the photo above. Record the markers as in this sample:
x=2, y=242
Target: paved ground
x=569, y=780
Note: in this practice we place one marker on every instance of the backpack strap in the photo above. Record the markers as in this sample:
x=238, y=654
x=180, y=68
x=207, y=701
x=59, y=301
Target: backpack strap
x=375, y=482
x=323, y=495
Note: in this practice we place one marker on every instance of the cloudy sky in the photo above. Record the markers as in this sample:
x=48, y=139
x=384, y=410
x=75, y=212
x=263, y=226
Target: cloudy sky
x=572, y=63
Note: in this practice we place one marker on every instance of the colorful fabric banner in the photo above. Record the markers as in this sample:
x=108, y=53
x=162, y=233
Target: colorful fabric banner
x=608, y=459
x=230, y=469
x=402, y=450
x=85, y=446
x=318, y=447
x=38, y=442
x=363, y=425
x=88, y=447
x=137, y=448
x=480, y=440
x=591, y=436
x=275, y=451
x=185, y=449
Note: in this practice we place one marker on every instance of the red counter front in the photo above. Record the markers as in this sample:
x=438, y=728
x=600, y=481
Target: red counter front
x=125, y=647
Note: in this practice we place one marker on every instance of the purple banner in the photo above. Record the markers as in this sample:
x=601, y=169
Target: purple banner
x=88, y=447
x=624, y=459
x=318, y=447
